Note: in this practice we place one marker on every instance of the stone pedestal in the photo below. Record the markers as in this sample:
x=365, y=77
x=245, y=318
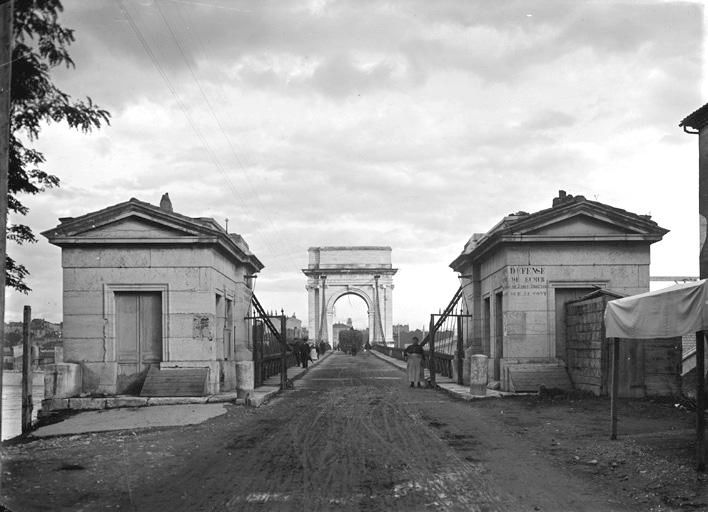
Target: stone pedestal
x=478, y=374
x=469, y=352
x=244, y=378
x=62, y=380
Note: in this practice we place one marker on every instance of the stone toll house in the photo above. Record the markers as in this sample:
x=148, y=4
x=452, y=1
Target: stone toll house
x=518, y=277
x=146, y=287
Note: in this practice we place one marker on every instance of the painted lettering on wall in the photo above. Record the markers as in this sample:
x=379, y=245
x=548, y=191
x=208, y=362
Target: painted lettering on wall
x=526, y=280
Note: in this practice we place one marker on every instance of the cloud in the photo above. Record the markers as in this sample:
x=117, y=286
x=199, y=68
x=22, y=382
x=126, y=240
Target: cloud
x=411, y=124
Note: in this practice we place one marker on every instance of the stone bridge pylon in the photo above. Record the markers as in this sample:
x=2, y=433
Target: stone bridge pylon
x=333, y=272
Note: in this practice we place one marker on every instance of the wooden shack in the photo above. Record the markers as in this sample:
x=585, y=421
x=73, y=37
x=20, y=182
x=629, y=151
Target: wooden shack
x=647, y=367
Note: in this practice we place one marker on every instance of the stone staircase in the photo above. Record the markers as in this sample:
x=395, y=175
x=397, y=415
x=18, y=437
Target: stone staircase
x=176, y=382
x=529, y=377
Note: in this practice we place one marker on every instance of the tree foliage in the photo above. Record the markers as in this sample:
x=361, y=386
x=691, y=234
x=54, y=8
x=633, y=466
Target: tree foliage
x=40, y=44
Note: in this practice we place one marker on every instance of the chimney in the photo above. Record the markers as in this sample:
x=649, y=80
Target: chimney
x=165, y=203
x=562, y=198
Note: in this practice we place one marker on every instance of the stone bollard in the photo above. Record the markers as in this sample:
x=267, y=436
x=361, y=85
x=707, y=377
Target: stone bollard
x=62, y=380
x=469, y=352
x=244, y=378
x=478, y=374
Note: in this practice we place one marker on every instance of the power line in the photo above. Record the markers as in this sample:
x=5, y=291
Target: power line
x=156, y=63
x=212, y=111
x=214, y=159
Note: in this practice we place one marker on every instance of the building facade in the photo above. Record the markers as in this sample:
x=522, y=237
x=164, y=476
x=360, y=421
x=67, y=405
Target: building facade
x=518, y=277
x=146, y=287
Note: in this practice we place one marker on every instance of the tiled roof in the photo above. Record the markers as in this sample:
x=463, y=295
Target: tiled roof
x=69, y=226
x=697, y=119
x=522, y=222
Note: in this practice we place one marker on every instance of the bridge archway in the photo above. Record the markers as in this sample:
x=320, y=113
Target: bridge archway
x=333, y=272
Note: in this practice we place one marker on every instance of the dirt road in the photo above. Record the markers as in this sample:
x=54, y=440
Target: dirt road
x=350, y=436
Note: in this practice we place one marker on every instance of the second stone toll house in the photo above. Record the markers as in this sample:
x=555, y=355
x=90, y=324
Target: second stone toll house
x=518, y=277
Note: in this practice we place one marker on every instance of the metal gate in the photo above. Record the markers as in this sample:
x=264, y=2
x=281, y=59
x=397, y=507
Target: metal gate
x=271, y=354
x=446, y=340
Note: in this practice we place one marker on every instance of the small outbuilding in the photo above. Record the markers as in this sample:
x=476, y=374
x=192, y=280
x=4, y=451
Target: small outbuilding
x=148, y=289
x=518, y=277
x=650, y=367
x=675, y=311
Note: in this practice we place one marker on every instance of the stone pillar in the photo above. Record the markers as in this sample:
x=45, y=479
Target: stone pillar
x=372, y=324
x=388, y=316
x=469, y=352
x=244, y=378
x=478, y=374
x=62, y=380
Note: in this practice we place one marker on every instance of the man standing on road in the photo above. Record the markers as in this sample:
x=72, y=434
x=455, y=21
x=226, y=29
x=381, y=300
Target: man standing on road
x=414, y=359
x=305, y=354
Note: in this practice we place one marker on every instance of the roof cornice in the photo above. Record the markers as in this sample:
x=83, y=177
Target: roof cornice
x=520, y=229
x=199, y=231
x=697, y=119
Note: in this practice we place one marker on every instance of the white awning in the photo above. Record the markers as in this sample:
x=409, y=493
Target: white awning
x=674, y=311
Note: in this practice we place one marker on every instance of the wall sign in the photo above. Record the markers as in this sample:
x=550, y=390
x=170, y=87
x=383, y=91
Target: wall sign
x=526, y=280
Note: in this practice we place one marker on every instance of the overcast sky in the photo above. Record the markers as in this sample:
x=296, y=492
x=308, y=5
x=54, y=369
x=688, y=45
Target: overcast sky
x=409, y=124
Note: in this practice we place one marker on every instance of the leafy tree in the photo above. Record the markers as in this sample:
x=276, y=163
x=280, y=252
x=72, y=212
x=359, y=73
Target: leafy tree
x=13, y=338
x=40, y=44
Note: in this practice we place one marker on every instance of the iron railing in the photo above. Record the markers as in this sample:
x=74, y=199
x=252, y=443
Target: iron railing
x=271, y=354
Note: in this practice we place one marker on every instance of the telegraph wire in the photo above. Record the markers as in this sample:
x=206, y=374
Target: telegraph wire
x=180, y=103
x=201, y=52
x=210, y=107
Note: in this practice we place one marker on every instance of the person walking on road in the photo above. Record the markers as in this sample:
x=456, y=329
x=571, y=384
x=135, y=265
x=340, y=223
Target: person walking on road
x=414, y=358
x=305, y=354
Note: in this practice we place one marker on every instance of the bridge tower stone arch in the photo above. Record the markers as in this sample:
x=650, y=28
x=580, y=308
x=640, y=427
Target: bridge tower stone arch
x=364, y=271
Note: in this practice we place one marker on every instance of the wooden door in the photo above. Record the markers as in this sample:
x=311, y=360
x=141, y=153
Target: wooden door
x=631, y=368
x=138, y=330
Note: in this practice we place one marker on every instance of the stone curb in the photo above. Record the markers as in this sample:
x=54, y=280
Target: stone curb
x=262, y=394
x=117, y=402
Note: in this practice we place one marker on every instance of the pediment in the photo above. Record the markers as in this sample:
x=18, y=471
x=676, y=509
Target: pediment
x=581, y=225
x=131, y=227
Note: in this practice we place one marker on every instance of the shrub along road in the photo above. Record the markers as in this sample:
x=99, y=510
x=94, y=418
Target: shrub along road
x=353, y=436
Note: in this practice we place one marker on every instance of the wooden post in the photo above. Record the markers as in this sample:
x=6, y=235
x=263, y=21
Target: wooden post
x=614, y=388
x=26, y=371
x=460, y=351
x=283, y=351
x=700, y=402
x=6, y=13
x=431, y=362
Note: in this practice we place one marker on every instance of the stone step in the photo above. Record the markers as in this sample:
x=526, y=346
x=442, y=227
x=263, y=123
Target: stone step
x=529, y=377
x=176, y=382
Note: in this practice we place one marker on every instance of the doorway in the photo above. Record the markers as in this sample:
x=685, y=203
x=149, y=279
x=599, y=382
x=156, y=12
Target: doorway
x=138, y=336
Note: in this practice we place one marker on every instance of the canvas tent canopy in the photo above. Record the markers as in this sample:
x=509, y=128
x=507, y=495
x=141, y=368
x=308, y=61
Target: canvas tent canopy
x=674, y=311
